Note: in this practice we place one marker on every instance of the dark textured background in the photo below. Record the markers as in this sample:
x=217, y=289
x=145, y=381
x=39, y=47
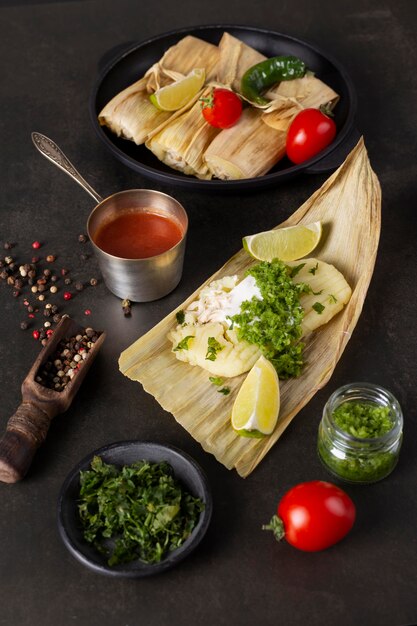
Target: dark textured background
x=49, y=53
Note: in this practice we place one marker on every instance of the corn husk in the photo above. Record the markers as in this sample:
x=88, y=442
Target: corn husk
x=190, y=52
x=248, y=149
x=235, y=57
x=182, y=141
x=349, y=206
x=131, y=115
x=291, y=96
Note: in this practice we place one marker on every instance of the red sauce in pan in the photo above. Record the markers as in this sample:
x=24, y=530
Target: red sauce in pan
x=138, y=235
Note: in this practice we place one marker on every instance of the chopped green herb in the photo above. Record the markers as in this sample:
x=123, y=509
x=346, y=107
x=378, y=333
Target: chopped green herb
x=213, y=347
x=332, y=299
x=183, y=344
x=318, y=307
x=274, y=323
x=314, y=269
x=225, y=391
x=136, y=512
x=180, y=315
x=216, y=380
x=365, y=420
x=294, y=270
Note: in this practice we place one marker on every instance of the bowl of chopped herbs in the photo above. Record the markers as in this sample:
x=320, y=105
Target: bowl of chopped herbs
x=134, y=508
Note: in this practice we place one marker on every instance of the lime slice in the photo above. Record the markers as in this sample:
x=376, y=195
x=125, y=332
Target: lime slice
x=178, y=94
x=287, y=244
x=255, y=410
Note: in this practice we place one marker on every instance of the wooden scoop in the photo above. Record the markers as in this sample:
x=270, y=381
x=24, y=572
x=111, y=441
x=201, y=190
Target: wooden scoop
x=28, y=427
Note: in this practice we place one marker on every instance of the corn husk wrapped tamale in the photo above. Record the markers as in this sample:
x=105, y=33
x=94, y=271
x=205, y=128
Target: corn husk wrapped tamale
x=235, y=57
x=190, y=52
x=291, y=96
x=349, y=206
x=130, y=114
x=182, y=141
x=246, y=150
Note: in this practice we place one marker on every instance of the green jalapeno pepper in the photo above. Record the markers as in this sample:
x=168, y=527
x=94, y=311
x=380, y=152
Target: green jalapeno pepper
x=263, y=75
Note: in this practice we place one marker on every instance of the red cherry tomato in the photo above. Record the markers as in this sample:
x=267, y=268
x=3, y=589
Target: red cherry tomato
x=309, y=133
x=313, y=516
x=222, y=108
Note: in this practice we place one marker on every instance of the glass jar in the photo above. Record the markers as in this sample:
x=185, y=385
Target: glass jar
x=357, y=459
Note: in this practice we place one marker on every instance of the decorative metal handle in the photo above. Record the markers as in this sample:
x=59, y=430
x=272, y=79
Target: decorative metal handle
x=51, y=151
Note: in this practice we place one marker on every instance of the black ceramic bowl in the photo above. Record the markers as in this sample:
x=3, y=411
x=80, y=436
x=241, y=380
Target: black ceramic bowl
x=186, y=471
x=126, y=64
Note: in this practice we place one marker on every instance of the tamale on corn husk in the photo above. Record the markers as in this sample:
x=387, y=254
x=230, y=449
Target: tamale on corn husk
x=246, y=150
x=182, y=58
x=131, y=115
x=235, y=57
x=182, y=141
x=349, y=206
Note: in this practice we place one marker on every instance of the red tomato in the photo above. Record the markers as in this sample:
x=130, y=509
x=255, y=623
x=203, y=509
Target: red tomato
x=310, y=132
x=222, y=108
x=313, y=516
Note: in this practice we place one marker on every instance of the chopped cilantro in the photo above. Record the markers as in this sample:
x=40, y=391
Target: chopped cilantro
x=225, y=391
x=364, y=420
x=294, y=270
x=314, y=269
x=216, y=380
x=213, y=347
x=274, y=323
x=180, y=315
x=318, y=307
x=183, y=344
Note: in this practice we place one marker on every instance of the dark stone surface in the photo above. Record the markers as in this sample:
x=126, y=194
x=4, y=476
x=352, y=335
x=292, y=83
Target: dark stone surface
x=48, y=54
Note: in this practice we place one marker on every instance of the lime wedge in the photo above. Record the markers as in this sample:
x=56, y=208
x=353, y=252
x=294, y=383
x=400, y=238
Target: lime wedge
x=255, y=410
x=287, y=244
x=178, y=94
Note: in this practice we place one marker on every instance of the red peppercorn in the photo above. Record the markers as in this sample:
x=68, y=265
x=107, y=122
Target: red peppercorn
x=35, y=334
x=36, y=245
x=87, y=312
x=67, y=295
x=31, y=315
x=49, y=332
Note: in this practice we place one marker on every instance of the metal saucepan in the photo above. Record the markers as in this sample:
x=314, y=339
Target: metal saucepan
x=139, y=280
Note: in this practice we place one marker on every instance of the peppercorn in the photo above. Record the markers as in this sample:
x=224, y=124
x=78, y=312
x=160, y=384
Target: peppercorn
x=8, y=260
x=16, y=293
x=53, y=289
x=10, y=280
x=87, y=312
x=67, y=295
x=67, y=281
x=24, y=325
x=36, y=334
x=50, y=258
x=82, y=238
x=36, y=245
x=93, y=282
x=64, y=271
x=54, y=278
x=56, y=318
x=30, y=308
x=79, y=286
x=47, y=272
x=8, y=245
x=32, y=273
x=41, y=297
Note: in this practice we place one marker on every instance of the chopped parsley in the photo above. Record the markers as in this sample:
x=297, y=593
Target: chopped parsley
x=183, y=344
x=332, y=299
x=213, y=347
x=135, y=512
x=318, y=307
x=224, y=390
x=180, y=315
x=274, y=323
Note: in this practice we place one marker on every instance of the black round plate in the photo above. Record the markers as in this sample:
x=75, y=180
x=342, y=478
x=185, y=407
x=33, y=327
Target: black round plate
x=186, y=470
x=127, y=66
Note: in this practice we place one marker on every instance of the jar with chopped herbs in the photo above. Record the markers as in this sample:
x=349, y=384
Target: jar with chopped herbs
x=360, y=433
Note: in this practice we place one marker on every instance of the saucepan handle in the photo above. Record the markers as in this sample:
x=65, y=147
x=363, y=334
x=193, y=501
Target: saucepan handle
x=335, y=158
x=26, y=431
